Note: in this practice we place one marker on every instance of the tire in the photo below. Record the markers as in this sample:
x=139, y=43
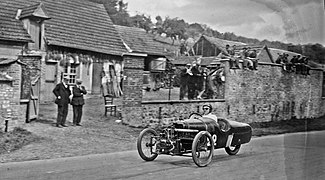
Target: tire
x=145, y=144
x=202, y=149
x=232, y=150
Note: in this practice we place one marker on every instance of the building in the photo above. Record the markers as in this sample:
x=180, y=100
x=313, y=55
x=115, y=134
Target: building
x=74, y=38
x=48, y=39
x=210, y=46
x=137, y=40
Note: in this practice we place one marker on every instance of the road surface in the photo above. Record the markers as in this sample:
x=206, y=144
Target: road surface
x=289, y=156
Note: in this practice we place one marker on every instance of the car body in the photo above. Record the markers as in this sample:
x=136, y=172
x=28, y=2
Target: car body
x=197, y=135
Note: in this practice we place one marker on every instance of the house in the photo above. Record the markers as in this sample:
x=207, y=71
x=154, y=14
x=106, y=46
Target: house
x=137, y=40
x=73, y=38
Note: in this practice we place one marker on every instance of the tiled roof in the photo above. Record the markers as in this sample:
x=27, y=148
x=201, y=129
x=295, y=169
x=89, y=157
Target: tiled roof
x=183, y=60
x=138, y=40
x=34, y=10
x=221, y=42
x=10, y=28
x=5, y=61
x=78, y=24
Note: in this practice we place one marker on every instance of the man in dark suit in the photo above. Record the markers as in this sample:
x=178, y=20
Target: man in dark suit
x=78, y=101
x=62, y=93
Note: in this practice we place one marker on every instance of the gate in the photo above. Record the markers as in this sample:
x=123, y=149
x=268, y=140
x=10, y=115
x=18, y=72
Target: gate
x=33, y=104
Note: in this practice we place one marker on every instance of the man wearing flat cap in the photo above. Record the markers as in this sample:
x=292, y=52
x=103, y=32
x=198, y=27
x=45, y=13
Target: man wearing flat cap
x=78, y=101
x=62, y=93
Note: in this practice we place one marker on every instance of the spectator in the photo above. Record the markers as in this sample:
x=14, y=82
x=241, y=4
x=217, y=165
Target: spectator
x=252, y=56
x=197, y=78
x=233, y=60
x=299, y=63
x=78, y=101
x=305, y=67
x=246, y=62
x=185, y=73
x=279, y=59
x=62, y=93
x=191, y=85
x=205, y=72
x=229, y=53
x=292, y=63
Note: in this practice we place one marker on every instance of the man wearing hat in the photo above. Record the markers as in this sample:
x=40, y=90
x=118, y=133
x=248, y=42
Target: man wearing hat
x=62, y=93
x=184, y=76
x=78, y=101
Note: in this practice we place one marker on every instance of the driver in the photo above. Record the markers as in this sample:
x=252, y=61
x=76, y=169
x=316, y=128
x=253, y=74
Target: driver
x=207, y=109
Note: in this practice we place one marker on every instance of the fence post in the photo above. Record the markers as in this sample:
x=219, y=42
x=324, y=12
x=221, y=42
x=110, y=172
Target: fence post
x=6, y=125
x=159, y=116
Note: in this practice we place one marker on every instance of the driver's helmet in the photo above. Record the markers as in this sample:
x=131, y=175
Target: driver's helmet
x=207, y=106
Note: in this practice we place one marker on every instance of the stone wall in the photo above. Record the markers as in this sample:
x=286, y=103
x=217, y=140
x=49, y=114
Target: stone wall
x=268, y=94
x=271, y=94
x=163, y=112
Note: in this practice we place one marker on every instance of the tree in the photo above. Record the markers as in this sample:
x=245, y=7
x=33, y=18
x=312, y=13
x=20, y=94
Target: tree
x=141, y=21
x=117, y=10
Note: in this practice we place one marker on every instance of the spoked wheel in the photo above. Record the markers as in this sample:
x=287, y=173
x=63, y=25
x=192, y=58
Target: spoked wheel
x=232, y=150
x=146, y=144
x=202, y=149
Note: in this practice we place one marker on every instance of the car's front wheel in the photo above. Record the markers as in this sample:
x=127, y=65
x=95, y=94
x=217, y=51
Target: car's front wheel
x=146, y=144
x=202, y=149
x=232, y=150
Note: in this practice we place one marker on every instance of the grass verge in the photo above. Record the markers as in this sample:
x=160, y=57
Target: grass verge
x=15, y=139
x=288, y=126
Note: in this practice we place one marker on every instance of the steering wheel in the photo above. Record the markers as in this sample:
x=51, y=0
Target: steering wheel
x=195, y=115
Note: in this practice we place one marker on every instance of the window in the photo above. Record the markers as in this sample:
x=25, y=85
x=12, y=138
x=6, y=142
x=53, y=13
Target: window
x=71, y=72
x=35, y=33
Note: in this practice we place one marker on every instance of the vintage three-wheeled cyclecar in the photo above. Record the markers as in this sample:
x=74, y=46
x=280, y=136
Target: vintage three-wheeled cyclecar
x=198, y=136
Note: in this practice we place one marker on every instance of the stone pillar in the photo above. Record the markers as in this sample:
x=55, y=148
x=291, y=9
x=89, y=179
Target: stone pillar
x=132, y=90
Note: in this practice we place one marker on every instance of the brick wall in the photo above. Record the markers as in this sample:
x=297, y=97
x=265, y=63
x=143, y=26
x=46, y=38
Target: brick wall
x=10, y=107
x=132, y=89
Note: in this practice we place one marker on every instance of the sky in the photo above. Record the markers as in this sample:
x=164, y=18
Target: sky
x=288, y=21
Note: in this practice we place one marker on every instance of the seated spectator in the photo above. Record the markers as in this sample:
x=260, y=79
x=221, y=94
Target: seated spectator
x=305, y=67
x=279, y=59
x=234, y=61
x=247, y=63
x=252, y=56
x=298, y=64
x=229, y=53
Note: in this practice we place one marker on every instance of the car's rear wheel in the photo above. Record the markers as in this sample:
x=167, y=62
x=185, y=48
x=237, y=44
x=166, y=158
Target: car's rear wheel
x=202, y=149
x=146, y=144
x=232, y=150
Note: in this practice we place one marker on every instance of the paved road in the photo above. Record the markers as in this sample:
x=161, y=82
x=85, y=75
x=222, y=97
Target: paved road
x=291, y=156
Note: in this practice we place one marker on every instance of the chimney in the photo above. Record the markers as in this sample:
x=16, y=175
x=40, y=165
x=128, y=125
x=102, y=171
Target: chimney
x=18, y=14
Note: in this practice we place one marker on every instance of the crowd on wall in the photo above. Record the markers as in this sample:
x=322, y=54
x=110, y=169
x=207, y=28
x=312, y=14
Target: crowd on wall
x=247, y=54
x=297, y=64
